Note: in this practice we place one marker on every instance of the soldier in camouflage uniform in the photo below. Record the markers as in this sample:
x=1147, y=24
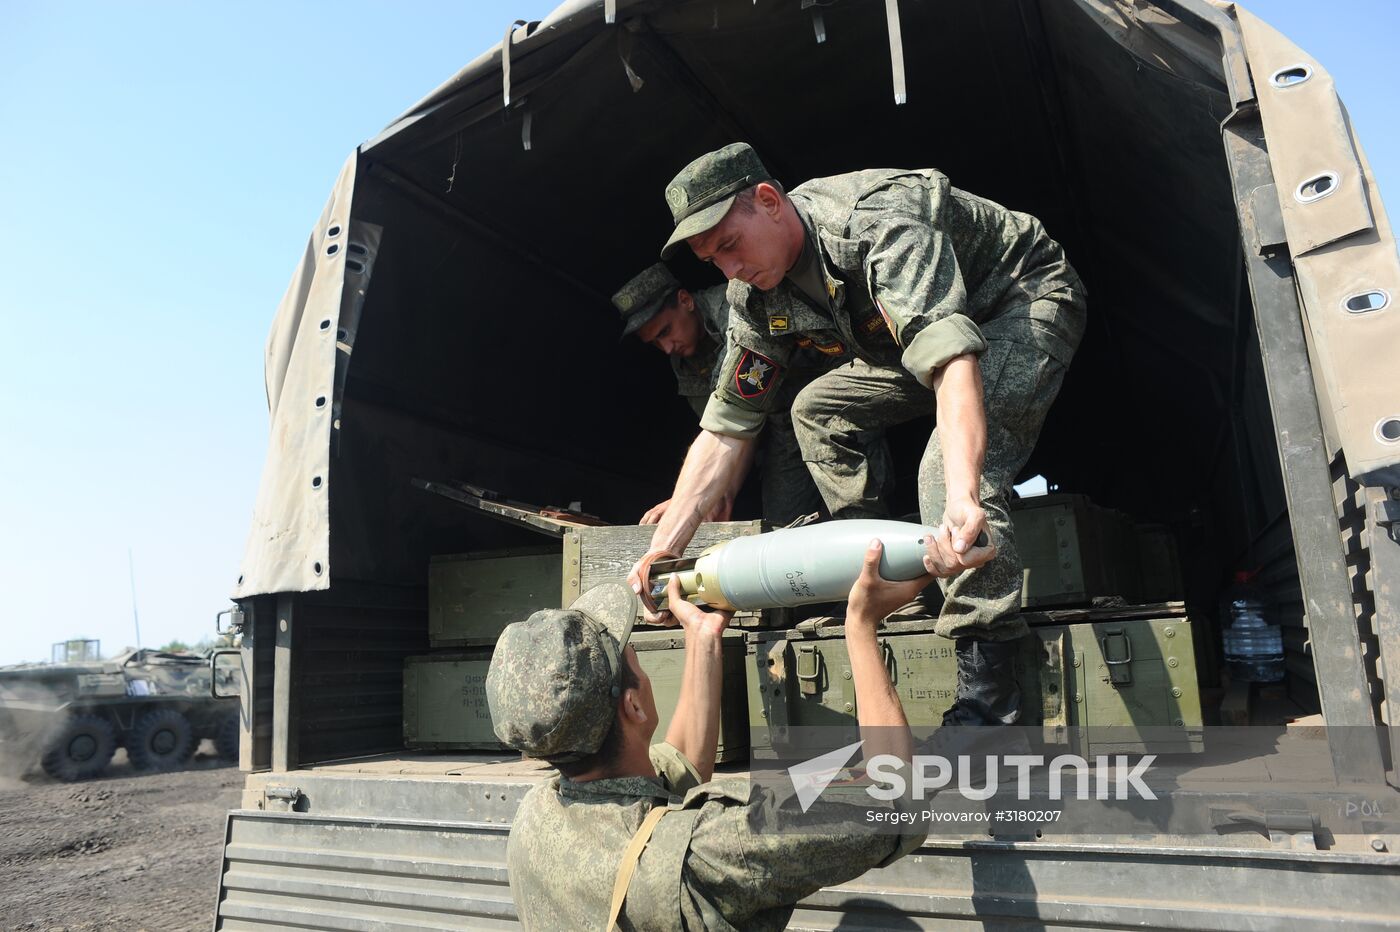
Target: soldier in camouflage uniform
x=690, y=327
x=952, y=304
x=565, y=687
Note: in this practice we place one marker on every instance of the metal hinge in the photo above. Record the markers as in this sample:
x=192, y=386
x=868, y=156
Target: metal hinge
x=1264, y=220
x=281, y=798
x=1295, y=828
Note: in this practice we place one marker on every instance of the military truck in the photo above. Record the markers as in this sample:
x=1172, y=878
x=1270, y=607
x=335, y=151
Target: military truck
x=449, y=320
x=69, y=717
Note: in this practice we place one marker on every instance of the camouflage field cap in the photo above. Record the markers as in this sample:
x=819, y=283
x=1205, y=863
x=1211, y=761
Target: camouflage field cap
x=555, y=677
x=640, y=299
x=702, y=193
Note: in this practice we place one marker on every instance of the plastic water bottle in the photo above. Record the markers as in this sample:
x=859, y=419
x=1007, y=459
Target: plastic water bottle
x=1253, y=647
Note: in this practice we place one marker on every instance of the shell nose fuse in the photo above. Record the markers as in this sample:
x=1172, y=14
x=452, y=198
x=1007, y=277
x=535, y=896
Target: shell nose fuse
x=796, y=566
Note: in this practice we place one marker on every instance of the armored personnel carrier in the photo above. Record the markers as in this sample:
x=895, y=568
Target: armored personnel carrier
x=70, y=717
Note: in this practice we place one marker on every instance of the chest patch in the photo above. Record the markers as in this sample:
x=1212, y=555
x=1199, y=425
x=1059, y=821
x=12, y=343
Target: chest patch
x=834, y=348
x=755, y=374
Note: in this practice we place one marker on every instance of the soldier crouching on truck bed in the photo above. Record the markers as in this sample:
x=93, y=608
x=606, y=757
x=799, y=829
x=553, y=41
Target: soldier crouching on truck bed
x=952, y=304
x=638, y=828
x=690, y=326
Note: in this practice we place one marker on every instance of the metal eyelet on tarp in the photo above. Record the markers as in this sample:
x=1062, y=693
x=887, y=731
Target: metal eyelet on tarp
x=1317, y=187
x=1364, y=302
x=1291, y=76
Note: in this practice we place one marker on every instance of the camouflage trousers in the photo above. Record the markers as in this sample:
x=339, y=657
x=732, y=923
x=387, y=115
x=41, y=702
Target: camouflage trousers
x=834, y=414
x=790, y=487
x=784, y=479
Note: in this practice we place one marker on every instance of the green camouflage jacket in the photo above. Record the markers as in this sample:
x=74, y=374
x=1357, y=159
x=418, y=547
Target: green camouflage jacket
x=917, y=272
x=696, y=375
x=708, y=864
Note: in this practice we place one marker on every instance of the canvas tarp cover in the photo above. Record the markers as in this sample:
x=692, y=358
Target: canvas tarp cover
x=487, y=350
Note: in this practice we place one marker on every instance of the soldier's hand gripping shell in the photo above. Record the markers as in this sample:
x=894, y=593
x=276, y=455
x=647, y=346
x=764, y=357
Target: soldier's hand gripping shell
x=962, y=542
x=640, y=581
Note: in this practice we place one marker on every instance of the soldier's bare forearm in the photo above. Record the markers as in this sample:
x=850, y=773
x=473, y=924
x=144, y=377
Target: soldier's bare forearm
x=694, y=728
x=962, y=426
x=705, y=478
x=879, y=713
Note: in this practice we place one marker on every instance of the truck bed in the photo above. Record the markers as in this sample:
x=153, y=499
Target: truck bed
x=332, y=847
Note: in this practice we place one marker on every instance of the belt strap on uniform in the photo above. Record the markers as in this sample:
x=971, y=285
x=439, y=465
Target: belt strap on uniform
x=628, y=866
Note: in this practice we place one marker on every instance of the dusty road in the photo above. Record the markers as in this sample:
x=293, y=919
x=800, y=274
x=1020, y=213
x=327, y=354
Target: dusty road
x=130, y=851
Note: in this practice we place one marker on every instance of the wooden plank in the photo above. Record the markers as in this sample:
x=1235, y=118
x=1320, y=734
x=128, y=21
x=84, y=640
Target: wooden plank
x=607, y=554
x=570, y=581
x=553, y=522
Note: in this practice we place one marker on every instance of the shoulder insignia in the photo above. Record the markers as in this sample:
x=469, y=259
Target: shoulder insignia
x=778, y=323
x=754, y=374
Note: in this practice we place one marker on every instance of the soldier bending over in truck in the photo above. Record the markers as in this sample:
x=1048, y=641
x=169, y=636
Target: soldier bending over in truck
x=952, y=305
x=690, y=326
x=565, y=687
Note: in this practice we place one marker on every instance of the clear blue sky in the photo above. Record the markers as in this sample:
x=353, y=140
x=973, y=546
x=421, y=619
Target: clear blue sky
x=163, y=164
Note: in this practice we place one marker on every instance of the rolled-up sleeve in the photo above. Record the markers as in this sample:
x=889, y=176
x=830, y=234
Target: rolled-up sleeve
x=731, y=420
x=676, y=771
x=938, y=343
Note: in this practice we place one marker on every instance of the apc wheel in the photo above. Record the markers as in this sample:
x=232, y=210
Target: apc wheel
x=226, y=741
x=161, y=740
x=80, y=749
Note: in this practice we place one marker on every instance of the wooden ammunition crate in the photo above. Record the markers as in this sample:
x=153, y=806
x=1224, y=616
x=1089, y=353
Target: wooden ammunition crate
x=662, y=656
x=444, y=702
x=472, y=597
x=1073, y=551
x=1113, y=686
x=600, y=554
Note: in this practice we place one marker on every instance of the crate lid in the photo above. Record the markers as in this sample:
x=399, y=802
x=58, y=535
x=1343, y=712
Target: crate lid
x=554, y=522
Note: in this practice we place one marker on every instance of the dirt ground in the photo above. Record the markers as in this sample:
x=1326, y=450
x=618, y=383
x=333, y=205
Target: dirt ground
x=129, y=851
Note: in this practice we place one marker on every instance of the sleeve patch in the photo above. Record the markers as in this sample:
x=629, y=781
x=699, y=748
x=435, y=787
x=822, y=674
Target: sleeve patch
x=755, y=374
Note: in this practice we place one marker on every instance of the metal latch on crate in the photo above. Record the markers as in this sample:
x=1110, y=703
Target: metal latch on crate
x=1118, y=657
x=809, y=669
